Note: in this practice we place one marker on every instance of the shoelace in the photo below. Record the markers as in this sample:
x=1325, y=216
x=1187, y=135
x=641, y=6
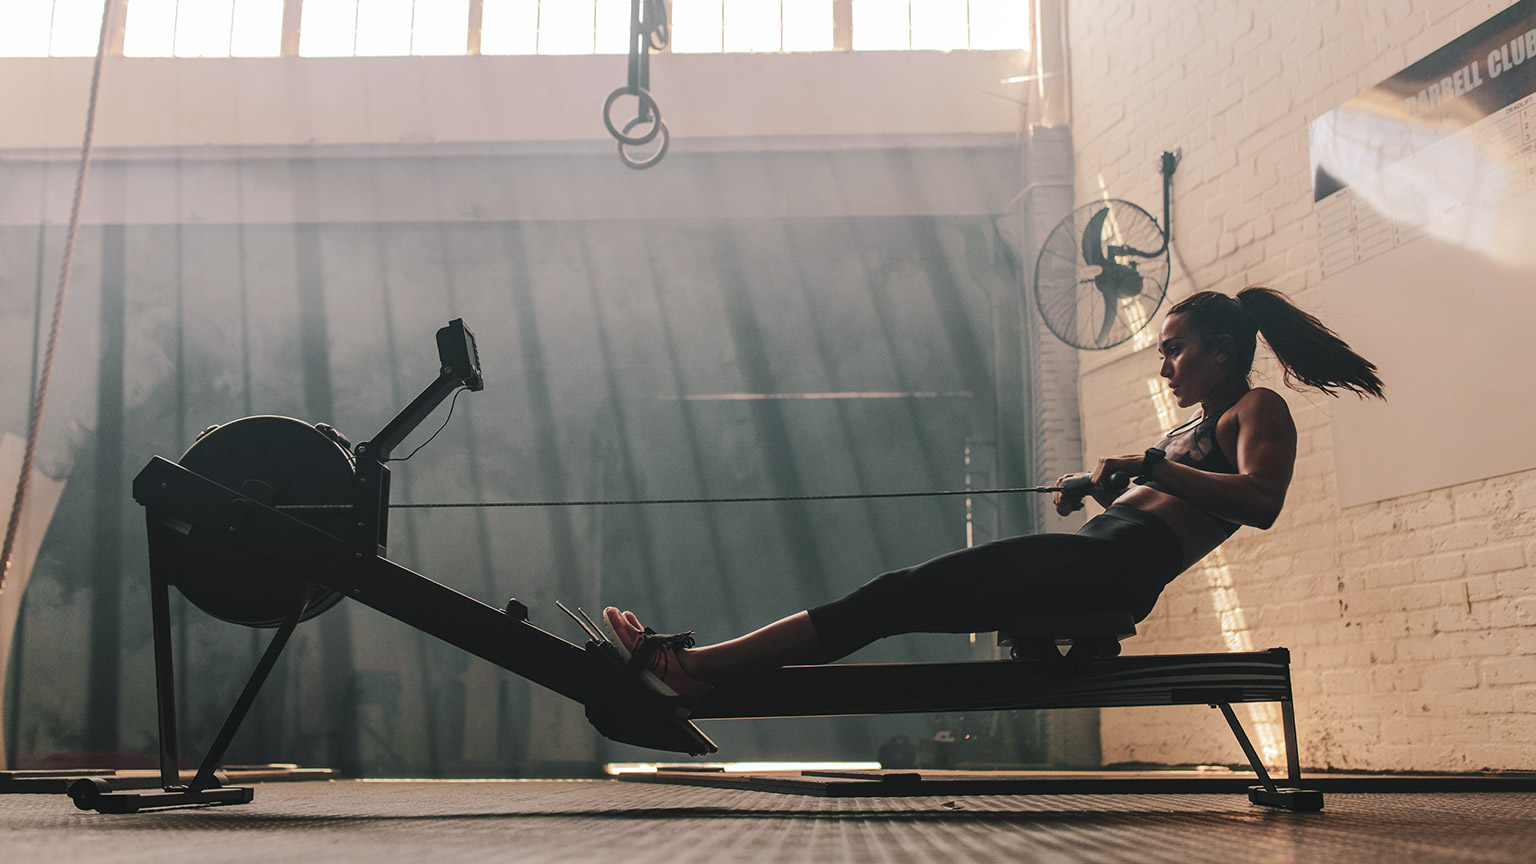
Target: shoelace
x=649, y=650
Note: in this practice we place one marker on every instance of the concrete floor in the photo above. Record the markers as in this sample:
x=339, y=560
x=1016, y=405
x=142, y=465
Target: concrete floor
x=612, y=821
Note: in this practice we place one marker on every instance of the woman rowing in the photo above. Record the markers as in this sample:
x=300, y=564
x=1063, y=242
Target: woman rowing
x=1229, y=466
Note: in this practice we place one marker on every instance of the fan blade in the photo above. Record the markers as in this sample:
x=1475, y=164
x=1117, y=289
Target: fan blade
x=1111, y=311
x=1093, y=239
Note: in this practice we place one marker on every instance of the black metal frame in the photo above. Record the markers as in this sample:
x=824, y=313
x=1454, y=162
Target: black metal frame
x=1218, y=680
x=179, y=501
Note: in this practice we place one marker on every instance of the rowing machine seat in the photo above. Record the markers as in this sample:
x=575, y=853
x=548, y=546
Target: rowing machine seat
x=1087, y=636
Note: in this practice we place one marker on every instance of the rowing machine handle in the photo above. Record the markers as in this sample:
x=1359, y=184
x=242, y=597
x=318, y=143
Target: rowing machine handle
x=1081, y=486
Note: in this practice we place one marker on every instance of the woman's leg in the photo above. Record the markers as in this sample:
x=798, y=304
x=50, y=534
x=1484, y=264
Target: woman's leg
x=791, y=641
x=975, y=590
x=972, y=590
x=669, y=666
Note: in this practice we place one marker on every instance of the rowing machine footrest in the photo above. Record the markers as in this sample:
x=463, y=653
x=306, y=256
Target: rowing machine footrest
x=1305, y=800
x=624, y=710
x=1090, y=635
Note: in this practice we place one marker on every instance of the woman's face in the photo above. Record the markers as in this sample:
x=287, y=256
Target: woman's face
x=1194, y=371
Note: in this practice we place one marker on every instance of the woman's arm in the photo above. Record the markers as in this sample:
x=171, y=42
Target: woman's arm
x=1266, y=458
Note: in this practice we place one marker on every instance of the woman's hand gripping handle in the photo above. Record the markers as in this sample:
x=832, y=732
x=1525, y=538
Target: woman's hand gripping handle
x=1073, y=488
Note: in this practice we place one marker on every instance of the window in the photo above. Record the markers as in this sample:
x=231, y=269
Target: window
x=555, y=27
x=50, y=28
x=742, y=26
x=348, y=28
x=940, y=25
x=374, y=28
x=203, y=28
x=807, y=25
x=999, y=25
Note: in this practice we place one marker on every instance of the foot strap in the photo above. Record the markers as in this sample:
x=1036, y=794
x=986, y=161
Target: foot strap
x=651, y=642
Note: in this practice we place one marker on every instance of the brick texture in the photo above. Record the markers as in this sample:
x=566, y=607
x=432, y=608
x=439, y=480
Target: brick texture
x=1412, y=622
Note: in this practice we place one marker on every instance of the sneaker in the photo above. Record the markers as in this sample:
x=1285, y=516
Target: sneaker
x=653, y=655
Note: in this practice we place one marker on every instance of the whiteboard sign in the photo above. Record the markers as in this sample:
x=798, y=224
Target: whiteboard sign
x=1425, y=196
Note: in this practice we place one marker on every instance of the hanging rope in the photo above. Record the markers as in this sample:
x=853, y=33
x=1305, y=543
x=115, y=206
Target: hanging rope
x=35, y=421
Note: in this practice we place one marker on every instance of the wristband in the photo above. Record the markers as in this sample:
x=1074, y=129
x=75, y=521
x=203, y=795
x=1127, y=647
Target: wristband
x=1149, y=460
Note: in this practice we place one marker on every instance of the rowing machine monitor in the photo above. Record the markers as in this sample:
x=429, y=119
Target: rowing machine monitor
x=460, y=358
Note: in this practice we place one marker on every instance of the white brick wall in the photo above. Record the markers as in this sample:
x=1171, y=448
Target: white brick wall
x=1412, y=622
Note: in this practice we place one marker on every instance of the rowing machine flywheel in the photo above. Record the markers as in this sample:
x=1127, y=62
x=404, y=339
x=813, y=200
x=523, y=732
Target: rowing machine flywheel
x=276, y=461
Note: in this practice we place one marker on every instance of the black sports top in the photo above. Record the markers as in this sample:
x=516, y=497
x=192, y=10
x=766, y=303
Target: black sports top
x=1194, y=444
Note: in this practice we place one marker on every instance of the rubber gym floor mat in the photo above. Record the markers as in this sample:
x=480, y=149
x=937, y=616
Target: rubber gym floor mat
x=606, y=820
x=895, y=783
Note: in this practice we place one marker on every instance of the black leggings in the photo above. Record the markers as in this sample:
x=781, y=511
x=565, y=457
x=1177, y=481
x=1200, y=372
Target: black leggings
x=1121, y=559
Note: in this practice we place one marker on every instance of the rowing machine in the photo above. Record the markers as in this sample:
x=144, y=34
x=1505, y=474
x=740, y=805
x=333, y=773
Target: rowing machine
x=246, y=527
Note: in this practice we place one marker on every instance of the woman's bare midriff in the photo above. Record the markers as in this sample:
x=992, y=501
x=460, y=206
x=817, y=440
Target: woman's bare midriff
x=1198, y=533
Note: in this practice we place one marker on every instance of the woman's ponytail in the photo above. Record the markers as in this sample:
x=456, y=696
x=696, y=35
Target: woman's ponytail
x=1308, y=351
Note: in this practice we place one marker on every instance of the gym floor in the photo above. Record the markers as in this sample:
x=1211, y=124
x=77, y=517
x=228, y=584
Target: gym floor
x=609, y=820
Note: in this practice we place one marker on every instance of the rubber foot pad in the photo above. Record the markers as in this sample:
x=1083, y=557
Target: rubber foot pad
x=1306, y=800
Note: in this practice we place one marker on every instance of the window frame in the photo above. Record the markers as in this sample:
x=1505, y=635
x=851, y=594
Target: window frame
x=842, y=33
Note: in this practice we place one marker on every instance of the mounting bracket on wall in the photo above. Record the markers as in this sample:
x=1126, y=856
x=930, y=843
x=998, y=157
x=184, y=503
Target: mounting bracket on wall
x=1103, y=271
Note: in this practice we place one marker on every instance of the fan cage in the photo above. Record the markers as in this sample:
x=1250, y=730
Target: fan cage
x=1072, y=305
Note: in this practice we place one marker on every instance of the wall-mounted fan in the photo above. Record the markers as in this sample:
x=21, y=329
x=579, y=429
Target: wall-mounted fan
x=1103, y=271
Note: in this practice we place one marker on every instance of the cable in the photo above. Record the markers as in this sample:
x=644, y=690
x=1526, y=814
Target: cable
x=454, y=402
x=743, y=500
x=35, y=421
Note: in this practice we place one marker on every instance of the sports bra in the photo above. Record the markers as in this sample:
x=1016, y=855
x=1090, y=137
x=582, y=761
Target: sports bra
x=1194, y=444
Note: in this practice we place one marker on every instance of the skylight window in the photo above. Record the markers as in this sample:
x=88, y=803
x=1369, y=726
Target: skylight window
x=940, y=25
x=203, y=28
x=50, y=28
x=348, y=28
x=380, y=28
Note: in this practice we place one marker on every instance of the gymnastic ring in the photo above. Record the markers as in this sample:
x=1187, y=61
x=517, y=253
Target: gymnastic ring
x=642, y=164
x=645, y=99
